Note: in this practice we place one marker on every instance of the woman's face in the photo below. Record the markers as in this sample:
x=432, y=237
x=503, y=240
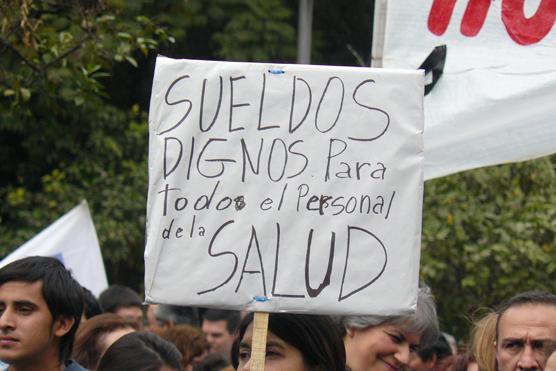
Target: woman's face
x=279, y=354
x=379, y=348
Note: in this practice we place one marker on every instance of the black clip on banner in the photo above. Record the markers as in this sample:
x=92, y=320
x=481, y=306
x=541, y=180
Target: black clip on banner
x=434, y=64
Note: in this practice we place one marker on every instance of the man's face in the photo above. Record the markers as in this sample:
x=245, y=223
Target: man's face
x=152, y=323
x=132, y=314
x=28, y=334
x=526, y=336
x=218, y=337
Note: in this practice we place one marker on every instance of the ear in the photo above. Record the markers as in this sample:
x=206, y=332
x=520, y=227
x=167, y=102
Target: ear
x=63, y=325
x=431, y=363
x=350, y=332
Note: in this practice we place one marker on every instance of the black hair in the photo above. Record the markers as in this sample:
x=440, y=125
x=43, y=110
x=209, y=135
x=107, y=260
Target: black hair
x=118, y=296
x=232, y=318
x=62, y=293
x=92, y=306
x=212, y=362
x=315, y=336
x=140, y=351
x=177, y=314
x=441, y=348
x=524, y=298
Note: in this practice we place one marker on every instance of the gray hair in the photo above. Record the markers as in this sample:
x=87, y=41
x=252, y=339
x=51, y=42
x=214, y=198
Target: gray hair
x=177, y=314
x=424, y=321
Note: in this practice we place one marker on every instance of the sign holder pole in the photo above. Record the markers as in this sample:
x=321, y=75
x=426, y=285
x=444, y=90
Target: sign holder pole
x=258, y=345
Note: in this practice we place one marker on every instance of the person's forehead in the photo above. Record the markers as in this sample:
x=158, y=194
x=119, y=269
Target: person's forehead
x=271, y=339
x=275, y=340
x=129, y=311
x=248, y=335
x=533, y=320
x=22, y=291
x=215, y=326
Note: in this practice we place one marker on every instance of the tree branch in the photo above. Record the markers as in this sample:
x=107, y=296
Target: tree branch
x=356, y=55
x=67, y=53
x=19, y=55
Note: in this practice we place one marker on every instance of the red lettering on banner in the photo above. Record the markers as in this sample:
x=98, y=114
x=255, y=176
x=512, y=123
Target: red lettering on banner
x=527, y=31
x=474, y=17
x=439, y=16
x=523, y=30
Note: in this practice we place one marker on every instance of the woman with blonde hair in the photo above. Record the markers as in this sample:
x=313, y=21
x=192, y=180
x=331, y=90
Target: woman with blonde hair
x=483, y=336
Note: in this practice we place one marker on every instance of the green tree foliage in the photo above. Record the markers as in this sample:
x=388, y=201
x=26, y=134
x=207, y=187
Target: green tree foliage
x=487, y=235
x=60, y=138
x=258, y=32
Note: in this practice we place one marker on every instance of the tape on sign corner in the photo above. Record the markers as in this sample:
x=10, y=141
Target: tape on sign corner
x=261, y=299
x=276, y=71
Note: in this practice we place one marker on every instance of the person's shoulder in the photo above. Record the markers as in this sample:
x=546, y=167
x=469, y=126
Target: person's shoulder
x=74, y=366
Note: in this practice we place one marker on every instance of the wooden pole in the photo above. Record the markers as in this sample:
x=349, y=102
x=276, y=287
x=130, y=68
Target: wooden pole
x=258, y=345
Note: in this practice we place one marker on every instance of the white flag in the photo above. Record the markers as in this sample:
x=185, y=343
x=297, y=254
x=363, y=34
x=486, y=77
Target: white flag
x=495, y=102
x=72, y=239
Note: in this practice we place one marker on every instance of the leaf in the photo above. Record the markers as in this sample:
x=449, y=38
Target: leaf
x=25, y=94
x=124, y=35
x=131, y=61
x=78, y=101
x=65, y=37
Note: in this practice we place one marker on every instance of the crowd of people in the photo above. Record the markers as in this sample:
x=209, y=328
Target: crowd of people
x=49, y=322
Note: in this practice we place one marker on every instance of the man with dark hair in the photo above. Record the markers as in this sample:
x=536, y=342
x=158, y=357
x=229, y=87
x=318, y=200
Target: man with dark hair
x=167, y=316
x=124, y=302
x=219, y=327
x=432, y=357
x=526, y=331
x=40, y=309
x=91, y=305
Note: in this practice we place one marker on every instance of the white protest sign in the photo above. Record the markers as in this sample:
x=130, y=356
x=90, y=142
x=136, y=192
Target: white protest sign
x=284, y=187
x=72, y=239
x=495, y=101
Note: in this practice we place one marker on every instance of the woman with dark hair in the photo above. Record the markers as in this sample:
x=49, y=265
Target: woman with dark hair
x=295, y=342
x=141, y=351
x=95, y=335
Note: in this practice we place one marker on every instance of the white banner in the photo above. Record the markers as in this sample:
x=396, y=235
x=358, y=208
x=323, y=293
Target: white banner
x=72, y=239
x=495, y=101
x=284, y=188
